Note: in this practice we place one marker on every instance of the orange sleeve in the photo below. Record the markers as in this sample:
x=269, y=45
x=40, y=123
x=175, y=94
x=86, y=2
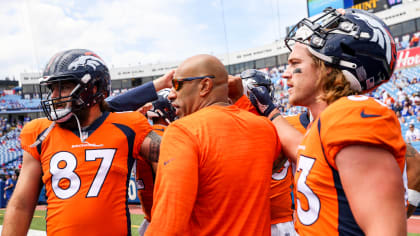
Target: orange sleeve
x=245, y=104
x=296, y=122
x=142, y=129
x=367, y=124
x=29, y=135
x=176, y=183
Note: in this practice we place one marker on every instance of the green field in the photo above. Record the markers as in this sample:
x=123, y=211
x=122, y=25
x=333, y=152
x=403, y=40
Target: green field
x=38, y=222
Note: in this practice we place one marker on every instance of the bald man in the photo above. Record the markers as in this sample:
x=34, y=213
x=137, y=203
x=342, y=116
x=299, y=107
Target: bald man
x=216, y=161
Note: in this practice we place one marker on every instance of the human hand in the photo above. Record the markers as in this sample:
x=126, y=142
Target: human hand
x=261, y=99
x=236, y=90
x=164, y=81
x=143, y=110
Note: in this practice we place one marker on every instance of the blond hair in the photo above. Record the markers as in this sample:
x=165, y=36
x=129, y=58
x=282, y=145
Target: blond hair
x=332, y=81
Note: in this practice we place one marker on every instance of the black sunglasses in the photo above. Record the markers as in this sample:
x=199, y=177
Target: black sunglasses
x=177, y=83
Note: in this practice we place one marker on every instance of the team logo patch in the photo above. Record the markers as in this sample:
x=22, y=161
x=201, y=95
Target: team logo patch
x=83, y=61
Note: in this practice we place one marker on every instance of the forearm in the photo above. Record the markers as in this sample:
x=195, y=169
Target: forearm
x=290, y=137
x=17, y=219
x=134, y=98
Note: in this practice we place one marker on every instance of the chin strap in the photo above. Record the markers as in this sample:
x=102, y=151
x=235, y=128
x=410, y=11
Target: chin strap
x=48, y=130
x=82, y=137
x=43, y=136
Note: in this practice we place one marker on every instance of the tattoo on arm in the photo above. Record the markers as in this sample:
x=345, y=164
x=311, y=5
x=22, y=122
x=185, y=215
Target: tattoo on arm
x=151, y=146
x=411, y=152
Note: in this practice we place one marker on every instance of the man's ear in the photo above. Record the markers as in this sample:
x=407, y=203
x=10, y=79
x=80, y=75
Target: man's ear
x=205, y=86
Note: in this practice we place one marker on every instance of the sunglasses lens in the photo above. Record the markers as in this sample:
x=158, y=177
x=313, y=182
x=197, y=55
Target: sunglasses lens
x=176, y=84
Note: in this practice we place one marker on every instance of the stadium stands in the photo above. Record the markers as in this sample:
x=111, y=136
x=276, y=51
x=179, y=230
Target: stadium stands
x=406, y=79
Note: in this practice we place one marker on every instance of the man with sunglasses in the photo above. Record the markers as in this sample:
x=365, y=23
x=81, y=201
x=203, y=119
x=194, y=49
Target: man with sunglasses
x=216, y=161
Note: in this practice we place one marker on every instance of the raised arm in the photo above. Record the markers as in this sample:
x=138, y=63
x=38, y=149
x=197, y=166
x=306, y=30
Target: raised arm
x=135, y=98
x=21, y=206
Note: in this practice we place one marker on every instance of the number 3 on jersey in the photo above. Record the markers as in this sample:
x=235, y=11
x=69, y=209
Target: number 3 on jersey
x=309, y=216
x=70, y=165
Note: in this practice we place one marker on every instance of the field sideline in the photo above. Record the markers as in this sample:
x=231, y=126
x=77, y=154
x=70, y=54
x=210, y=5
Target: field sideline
x=38, y=221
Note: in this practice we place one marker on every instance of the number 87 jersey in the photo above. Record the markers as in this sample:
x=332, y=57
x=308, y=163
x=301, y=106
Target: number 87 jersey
x=322, y=206
x=86, y=183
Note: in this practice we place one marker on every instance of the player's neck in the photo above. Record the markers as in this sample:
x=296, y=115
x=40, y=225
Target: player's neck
x=317, y=108
x=94, y=113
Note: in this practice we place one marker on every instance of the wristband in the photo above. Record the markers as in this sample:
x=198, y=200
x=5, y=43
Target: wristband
x=275, y=116
x=413, y=197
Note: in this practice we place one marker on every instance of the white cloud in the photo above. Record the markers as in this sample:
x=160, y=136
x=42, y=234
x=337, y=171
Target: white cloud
x=126, y=32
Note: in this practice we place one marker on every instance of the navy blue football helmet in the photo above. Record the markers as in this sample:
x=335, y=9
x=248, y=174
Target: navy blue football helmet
x=162, y=107
x=352, y=40
x=254, y=78
x=81, y=67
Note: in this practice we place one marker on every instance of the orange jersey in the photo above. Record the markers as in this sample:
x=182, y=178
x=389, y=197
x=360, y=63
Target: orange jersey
x=214, y=174
x=281, y=182
x=145, y=178
x=322, y=207
x=159, y=129
x=244, y=103
x=281, y=195
x=299, y=122
x=86, y=183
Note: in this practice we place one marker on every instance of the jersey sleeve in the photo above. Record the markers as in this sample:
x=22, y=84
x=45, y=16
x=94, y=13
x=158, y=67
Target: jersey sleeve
x=29, y=134
x=142, y=129
x=176, y=182
x=359, y=123
x=299, y=122
x=245, y=104
x=134, y=98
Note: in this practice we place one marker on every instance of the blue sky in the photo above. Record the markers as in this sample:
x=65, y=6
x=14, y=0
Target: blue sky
x=132, y=32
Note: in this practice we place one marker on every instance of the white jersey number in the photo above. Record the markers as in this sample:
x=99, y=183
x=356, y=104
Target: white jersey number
x=283, y=173
x=70, y=164
x=309, y=216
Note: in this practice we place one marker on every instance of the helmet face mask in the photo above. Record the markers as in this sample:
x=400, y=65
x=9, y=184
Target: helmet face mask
x=255, y=78
x=354, y=41
x=57, y=108
x=162, y=107
x=82, y=68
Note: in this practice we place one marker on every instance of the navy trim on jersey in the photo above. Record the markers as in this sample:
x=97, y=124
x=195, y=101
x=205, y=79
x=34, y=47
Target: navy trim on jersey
x=130, y=134
x=94, y=126
x=39, y=146
x=134, y=98
x=304, y=119
x=346, y=223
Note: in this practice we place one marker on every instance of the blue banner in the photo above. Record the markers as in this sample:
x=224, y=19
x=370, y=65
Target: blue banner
x=317, y=6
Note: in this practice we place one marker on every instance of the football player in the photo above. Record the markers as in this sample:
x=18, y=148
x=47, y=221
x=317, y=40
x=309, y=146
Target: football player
x=350, y=163
x=282, y=179
x=81, y=153
x=162, y=113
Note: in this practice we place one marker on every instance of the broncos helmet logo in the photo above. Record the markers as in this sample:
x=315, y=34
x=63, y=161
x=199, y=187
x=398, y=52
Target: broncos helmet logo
x=380, y=34
x=91, y=61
